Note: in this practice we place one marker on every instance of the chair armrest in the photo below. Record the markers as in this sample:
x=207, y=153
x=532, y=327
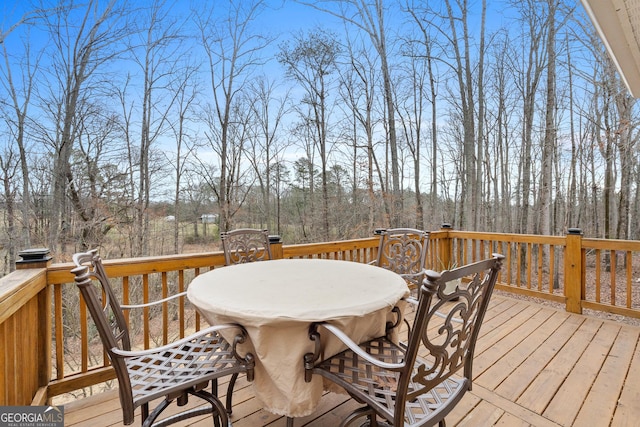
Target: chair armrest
x=240, y=338
x=315, y=336
x=152, y=303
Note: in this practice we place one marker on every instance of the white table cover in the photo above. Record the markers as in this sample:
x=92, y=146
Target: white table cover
x=277, y=300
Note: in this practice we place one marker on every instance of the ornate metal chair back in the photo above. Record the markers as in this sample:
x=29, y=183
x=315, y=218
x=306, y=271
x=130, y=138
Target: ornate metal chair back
x=245, y=245
x=448, y=326
x=404, y=251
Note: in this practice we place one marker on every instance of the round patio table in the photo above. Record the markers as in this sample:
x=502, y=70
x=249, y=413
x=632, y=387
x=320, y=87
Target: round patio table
x=277, y=300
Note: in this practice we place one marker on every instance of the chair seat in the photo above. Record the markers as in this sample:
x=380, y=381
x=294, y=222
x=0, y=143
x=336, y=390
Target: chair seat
x=191, y=364
x=377, y=387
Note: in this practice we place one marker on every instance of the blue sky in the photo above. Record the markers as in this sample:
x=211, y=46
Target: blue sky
x=281, y=16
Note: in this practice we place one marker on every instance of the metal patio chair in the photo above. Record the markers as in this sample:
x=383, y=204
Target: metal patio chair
x=404, y=251
x=245, y=245
x=173, y=371
x=397, y=386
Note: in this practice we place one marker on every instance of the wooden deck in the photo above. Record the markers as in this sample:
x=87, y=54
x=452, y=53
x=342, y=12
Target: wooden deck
x=534, y=366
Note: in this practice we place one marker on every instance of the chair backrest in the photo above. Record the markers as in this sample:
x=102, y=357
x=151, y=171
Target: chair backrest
x=101, y=300
x=245, y=245
x=448, y=326
x=108, y=317
x=404, y=251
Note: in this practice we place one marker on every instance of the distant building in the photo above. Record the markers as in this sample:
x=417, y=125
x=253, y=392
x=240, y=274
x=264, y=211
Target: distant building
x=169, y=218
x=209, y=218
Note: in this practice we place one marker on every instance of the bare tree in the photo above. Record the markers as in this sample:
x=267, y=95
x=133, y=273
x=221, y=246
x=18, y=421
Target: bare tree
x=97, y=177
x=424, y=50
x=232, y=51
x=572, y=182
x=470, y=93
x=186, y=94
x=310, y=62
x=549, y=140
x=19, y=101
x=158, y=58
x=504, y=115
x=280, y=179
x=358, y=89
x=529, y=76
x=627, y=142
x=605, y=117
x=265, y=148
x=370, y=18
x=84, y=39
x=411, y=110
x=9, y=168
x=19, y=96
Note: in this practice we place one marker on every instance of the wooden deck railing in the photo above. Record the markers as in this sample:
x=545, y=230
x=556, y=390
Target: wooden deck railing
x=49, y=347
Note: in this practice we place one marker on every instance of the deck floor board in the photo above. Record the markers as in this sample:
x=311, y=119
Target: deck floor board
x=627, y=409
x=534, y=366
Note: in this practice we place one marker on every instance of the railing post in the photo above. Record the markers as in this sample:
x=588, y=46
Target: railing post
x=445, y=251
x=573, y=271
x=275, y=242
x=34, y=258
x=41, y=258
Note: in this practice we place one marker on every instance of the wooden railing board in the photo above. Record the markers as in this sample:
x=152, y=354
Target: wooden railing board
x=360, y=250
x=18, y=288
x=61, y=273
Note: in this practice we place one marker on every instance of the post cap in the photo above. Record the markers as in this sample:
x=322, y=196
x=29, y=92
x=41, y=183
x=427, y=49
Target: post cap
x=274, y=238
x=35, y=254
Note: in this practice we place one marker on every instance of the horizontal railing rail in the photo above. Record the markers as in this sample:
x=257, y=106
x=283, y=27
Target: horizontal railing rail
x=580, y=273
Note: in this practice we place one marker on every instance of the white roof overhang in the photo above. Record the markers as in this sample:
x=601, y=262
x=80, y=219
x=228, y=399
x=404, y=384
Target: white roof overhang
x=618, y=25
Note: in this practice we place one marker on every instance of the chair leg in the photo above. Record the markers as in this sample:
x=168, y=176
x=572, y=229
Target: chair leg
x=364, y=411
x=218, y=410
x=151, y=418
x=289, y=422
x=232, y=383
x=145, y=411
